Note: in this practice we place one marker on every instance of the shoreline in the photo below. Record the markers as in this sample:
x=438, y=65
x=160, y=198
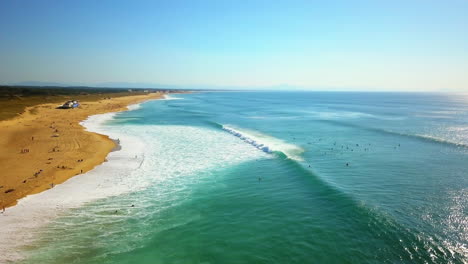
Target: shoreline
x=46, y=146
x=23, y=222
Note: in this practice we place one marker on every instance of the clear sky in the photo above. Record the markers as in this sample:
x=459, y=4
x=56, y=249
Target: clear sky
x=336, y=45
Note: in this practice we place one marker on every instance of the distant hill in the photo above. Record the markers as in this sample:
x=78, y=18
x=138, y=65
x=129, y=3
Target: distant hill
x=36, y=83
x=130, y=85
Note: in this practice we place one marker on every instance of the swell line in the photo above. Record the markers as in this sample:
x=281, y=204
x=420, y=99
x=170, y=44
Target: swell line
x=415, y=244
x=424, y=138
x=404, y=243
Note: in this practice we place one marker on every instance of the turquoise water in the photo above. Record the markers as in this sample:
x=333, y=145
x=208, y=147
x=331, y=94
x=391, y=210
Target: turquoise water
x=276, y=177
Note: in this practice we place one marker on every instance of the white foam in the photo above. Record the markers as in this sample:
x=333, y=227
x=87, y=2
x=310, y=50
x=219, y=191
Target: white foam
x=149, y=155
x=338, y=115
x=134, y=107
x=265, y=143
x=341, y=115
x=169, y=97
x=21, y=222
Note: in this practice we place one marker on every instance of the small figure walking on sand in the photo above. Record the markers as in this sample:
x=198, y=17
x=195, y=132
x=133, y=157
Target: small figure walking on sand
x=3, y=209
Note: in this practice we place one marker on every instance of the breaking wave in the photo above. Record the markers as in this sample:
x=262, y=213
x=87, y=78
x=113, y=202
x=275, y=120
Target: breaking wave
x=169, y=97
x=150, y=156
x=266, y=143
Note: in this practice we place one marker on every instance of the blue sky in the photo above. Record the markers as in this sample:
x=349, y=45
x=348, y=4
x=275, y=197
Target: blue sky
x=322, y=45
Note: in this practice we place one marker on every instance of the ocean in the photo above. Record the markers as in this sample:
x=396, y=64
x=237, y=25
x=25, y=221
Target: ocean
x=264, y=177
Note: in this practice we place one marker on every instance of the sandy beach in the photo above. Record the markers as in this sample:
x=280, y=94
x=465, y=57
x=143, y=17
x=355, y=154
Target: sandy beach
x=45, y=146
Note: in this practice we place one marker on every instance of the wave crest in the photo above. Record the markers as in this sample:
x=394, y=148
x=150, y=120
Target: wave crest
x=168, y=97
x=266, y=143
